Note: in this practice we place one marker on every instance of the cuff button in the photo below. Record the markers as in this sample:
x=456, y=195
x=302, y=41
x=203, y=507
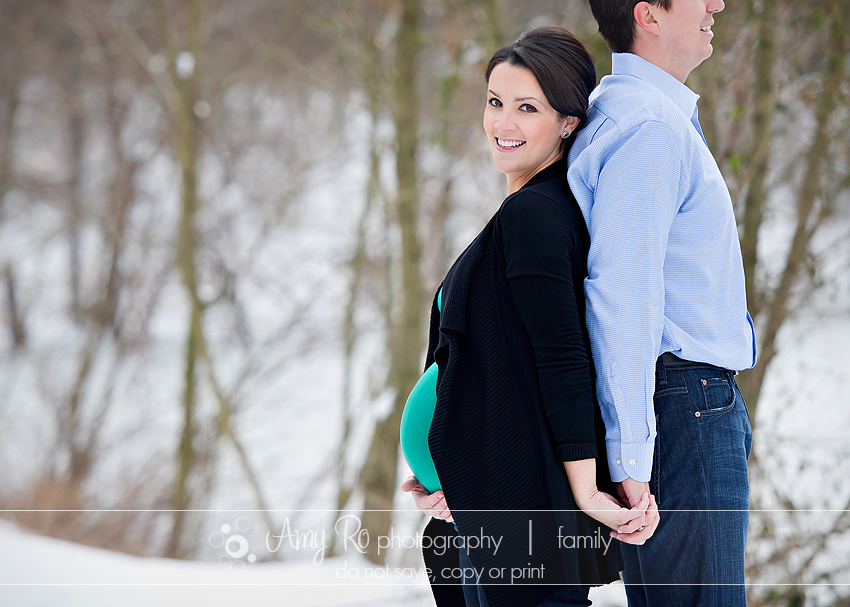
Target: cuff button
x=632, y=462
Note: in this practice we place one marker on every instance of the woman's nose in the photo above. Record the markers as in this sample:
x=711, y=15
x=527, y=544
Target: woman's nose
x=505, y=123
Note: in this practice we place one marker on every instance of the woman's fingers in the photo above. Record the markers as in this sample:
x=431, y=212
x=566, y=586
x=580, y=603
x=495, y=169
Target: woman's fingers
x=421, y=497
x=636, y=517
x=612, y=512
x=425, y=501
x=432, y=504
x=437, y=501
x=639, y=536
x=410, y=484
x=639, y=522
x=607, y=510
x=440, y=509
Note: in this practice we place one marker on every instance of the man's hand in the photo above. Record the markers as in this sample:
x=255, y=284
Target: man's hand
x=631, y=492
x=433, y=504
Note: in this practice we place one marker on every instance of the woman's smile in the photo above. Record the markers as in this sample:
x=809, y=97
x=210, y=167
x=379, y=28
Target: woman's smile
x=508, y=145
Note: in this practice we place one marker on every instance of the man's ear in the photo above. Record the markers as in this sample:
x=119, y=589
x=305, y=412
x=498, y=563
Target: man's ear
x=644, y=14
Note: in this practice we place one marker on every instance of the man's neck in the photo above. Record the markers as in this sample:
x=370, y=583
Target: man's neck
x=660, y=59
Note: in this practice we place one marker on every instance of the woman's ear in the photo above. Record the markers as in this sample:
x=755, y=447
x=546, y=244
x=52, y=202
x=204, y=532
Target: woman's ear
x=570, y=124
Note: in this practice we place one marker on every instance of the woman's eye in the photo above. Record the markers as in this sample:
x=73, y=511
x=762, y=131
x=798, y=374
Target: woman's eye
x=526, y=107
x=494, y=102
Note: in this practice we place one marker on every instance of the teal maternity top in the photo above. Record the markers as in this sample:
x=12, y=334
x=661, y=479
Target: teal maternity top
x=416, y=423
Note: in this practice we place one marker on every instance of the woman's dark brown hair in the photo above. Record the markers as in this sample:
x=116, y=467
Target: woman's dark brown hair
x=560, y=63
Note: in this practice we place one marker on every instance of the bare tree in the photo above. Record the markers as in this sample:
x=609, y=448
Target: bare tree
x=776, y=99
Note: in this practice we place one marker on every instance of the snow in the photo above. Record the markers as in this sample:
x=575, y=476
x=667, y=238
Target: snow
x=38, y=571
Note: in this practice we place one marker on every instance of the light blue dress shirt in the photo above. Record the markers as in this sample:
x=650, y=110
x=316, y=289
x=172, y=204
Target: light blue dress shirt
x=665, y=272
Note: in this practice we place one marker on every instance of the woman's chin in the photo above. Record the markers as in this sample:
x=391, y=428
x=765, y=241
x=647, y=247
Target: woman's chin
x=506, y=167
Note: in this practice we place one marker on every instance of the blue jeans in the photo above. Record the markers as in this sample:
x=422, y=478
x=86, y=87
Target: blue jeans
x=699, y=477
x=473, y=594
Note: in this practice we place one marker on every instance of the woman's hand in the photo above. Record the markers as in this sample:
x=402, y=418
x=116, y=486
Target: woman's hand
x=433, y=504
x=644, y=532
x=631, y=525
x=631, y=492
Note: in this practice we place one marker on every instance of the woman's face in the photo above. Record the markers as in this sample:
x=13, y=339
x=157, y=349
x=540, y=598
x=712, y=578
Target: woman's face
x=524, y=131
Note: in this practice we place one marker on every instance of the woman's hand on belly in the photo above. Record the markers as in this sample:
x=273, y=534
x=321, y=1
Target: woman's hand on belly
x=433, y=504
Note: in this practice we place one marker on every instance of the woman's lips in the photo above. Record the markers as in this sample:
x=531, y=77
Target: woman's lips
x=509, y=144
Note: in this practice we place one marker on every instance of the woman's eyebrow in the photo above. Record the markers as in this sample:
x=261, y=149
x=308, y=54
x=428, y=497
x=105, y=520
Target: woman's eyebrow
x=518, y=99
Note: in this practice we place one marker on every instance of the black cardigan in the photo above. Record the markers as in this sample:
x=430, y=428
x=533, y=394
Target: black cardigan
x=515, y=398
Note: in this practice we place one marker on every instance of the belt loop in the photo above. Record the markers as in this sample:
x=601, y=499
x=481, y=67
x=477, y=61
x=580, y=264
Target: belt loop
x=660, y=371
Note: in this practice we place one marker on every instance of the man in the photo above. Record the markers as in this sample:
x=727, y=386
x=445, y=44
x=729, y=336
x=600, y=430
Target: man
x=666, y=301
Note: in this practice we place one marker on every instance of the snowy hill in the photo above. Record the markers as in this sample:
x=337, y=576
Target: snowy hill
x=39, y=571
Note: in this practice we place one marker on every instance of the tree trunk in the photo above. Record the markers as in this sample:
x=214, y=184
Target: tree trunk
x=374, y=82
x=16, y=323
x=75, y=161
x=186, y=151
x=811, y=191
x=12, y=104
x=764, y=94
x=493, y=32
x=378, y=478
x=186, y=457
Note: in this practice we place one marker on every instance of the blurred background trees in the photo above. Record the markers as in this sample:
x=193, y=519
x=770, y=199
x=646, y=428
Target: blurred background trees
x=219, y=221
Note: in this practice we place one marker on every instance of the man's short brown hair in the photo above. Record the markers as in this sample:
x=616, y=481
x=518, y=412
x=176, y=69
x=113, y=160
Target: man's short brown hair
x=617, y=23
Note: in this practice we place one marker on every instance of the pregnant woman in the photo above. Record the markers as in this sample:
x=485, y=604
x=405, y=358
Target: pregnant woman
x=503, y=428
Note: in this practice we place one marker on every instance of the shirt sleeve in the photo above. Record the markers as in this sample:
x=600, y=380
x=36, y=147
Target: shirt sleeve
x=537, y=243
x=636, y=197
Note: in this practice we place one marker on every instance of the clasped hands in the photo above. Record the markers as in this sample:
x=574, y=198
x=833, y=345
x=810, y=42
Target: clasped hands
x=633, y=517
x=633, y=524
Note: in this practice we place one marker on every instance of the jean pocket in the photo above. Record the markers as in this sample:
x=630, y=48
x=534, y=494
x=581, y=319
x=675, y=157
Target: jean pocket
x=718, y=396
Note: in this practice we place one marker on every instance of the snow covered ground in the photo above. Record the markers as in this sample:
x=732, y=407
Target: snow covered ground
x=40, y=571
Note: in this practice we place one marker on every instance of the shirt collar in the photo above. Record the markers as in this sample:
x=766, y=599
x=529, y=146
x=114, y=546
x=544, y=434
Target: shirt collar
x=629, y=64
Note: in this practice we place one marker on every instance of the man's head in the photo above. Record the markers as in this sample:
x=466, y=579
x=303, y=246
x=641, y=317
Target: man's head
x=675, y=35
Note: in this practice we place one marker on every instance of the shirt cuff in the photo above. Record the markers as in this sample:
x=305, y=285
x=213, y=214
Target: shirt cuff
x=630, y=460
x=573, y=452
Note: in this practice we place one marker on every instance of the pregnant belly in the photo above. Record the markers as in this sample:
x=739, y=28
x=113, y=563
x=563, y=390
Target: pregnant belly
x=415, y=425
